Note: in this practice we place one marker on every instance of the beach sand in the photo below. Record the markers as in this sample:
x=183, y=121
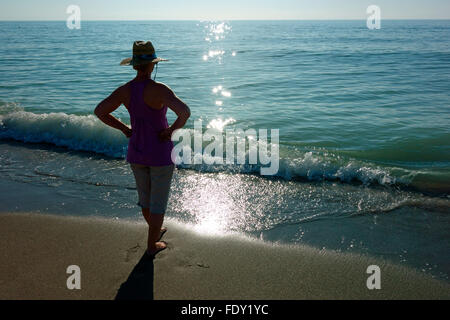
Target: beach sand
x=37, y=249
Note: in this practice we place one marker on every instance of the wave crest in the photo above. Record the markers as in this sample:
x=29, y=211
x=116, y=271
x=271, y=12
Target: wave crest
x=76, y=132
x=87, y=133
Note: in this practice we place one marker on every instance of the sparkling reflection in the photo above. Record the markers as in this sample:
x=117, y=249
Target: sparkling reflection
x=226, y=93
x=219, y=124
x=325, y=215
x=220, y=203
x=214, y=53
x=222, y=91
x=215, y=32
x=218, y=30
x=211, y=204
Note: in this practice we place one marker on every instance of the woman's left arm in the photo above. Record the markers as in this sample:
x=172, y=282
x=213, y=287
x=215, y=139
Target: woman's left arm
x=106, y=107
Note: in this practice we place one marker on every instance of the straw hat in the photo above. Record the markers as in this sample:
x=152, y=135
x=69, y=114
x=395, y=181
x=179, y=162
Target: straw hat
x=143, y=53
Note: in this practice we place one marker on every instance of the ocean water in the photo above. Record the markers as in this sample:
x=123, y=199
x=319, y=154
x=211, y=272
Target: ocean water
x=363, y=117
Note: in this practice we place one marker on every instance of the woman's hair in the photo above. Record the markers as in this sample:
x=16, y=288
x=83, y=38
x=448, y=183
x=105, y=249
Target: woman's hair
x=141, y=67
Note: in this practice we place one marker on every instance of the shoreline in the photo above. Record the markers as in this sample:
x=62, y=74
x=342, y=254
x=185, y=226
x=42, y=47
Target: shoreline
x=431, y=186
x=37, y=249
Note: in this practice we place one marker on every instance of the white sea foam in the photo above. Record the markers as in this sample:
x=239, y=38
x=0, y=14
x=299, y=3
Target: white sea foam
x=72, y=131
x=87, y=133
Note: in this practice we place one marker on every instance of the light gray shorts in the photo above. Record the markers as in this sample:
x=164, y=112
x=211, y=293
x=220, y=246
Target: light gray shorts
x=153, y=186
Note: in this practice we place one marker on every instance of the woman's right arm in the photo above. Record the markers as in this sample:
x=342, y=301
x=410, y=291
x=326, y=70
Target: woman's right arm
x=106, y=107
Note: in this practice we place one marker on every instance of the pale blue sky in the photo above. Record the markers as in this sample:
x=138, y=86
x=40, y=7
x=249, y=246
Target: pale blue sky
x=222, y=10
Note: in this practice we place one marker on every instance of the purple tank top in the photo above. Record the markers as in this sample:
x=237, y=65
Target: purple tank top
x=144, y=146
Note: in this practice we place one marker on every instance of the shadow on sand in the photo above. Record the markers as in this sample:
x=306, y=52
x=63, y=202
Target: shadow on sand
x=139, y=285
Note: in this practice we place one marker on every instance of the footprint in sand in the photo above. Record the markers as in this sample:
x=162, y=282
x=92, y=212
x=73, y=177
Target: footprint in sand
x=131, y=252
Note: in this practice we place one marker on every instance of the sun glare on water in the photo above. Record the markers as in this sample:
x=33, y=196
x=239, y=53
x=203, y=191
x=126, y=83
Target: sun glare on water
x=219, y=124
x=213, y=207
x=214, y=33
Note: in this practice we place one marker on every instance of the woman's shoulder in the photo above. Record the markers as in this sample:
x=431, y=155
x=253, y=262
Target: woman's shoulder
x=156, y=84
x=157, y=88
x=125, y=93
x=125, y=88
x=127, y=85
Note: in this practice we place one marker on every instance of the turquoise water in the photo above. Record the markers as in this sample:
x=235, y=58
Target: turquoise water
x=363, y=117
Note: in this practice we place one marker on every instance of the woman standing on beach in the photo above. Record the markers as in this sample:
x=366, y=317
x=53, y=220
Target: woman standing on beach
x=150, y=145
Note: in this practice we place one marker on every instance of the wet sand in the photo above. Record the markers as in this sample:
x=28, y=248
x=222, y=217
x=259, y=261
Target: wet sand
x=37, y=249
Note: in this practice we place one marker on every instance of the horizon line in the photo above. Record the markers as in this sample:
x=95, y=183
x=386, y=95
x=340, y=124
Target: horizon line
x=130, y=20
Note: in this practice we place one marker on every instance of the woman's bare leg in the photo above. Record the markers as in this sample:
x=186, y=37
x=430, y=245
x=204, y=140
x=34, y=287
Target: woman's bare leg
x=154, y=231
x=152, y=244
x=146, y=214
